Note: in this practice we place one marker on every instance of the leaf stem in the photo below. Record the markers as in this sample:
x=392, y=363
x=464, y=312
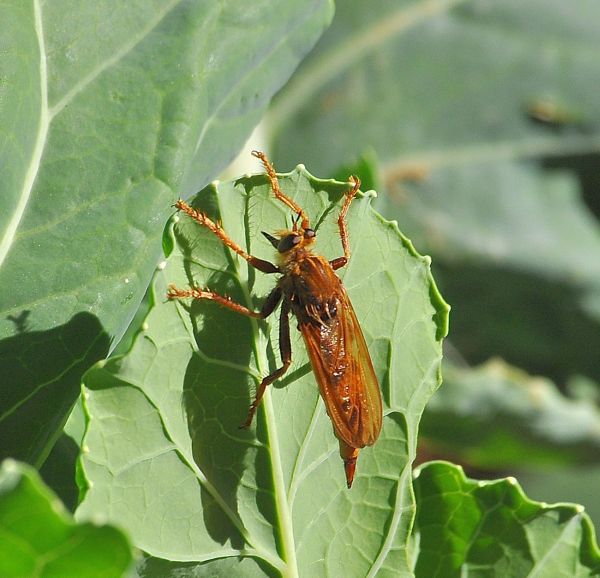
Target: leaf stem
x=284, y=514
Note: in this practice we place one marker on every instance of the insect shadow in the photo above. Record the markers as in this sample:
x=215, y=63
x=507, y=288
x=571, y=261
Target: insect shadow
x=217, y=392
x=20, y=321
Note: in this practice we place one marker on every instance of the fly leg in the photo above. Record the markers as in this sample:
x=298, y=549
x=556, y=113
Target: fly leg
x=202, y=219
x=271, y=302
x=305, y=224
x=341, y=261
x=285, y=350
x=267, y=308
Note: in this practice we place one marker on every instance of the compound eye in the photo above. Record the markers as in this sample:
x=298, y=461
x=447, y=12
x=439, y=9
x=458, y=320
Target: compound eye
x=288, y=243
x=309, y=233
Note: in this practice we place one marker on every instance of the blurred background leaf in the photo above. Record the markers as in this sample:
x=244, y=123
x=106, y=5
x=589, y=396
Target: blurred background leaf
x=38, y=538
x=433, y=84
x=518, y=419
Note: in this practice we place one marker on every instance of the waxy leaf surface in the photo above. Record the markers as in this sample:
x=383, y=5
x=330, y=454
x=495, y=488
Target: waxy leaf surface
x=107, y=112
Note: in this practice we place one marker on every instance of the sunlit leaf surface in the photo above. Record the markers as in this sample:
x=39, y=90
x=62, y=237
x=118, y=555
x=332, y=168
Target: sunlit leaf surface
x=163, y=453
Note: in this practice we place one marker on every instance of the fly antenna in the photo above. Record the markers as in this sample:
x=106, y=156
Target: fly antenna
x=295, y=221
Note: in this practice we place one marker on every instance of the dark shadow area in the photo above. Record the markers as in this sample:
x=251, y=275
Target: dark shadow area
x=584, y=166
x=217, y=398
x=58, y=471
x=216, y=402
x=529, y=321
x=587, y=170
x=41, y=377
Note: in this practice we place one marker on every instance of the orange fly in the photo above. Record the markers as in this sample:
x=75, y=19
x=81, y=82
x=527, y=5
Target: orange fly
x=309, y=288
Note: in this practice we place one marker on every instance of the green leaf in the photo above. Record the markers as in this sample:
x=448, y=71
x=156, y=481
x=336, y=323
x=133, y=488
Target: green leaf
x=107, y=111
x=496, y=416
x=444, y=83
x=490, y=528
x=163, y=455
x=524, y=219
x=518, y=260
x=39, y=539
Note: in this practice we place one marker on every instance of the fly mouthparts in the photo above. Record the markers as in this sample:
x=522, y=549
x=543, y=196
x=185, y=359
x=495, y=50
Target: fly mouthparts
x=273, y=240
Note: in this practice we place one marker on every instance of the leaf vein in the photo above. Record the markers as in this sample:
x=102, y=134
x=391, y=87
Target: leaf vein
x=119, y=55
x=345, y=54
x=40, y=141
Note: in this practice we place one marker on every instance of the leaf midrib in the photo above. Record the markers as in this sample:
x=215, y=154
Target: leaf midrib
x=40, y=141
x=48, y=113
x=115, y=58
x=282, y=506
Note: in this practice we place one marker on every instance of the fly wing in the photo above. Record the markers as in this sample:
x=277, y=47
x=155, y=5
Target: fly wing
x=340, y=360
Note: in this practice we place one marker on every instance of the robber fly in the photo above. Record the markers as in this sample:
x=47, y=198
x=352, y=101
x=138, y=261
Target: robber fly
x=309, y=288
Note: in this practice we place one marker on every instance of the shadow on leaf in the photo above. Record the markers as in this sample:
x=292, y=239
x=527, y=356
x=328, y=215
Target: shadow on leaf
x=42, y=371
